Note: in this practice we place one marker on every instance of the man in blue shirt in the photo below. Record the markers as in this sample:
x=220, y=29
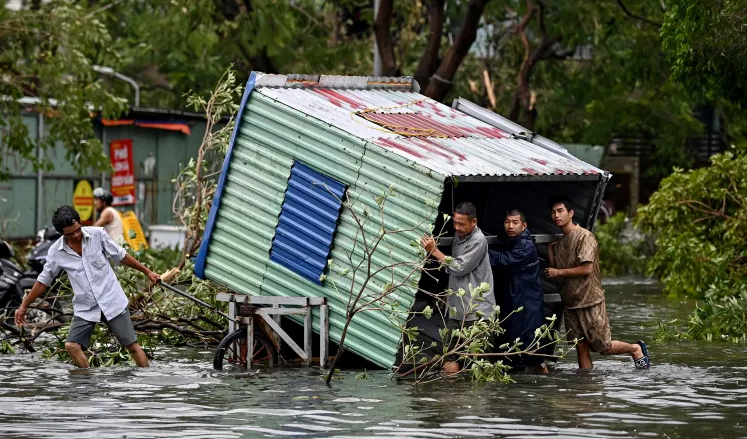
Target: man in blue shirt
x=97, y=295
x=517, y=258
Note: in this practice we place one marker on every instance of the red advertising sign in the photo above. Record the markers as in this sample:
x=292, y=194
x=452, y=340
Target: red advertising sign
x=123, y=179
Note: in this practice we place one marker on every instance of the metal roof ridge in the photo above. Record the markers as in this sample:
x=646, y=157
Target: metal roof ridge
x=492, y=118
x=295, y=80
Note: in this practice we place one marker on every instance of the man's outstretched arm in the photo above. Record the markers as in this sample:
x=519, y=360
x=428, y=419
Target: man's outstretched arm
x=522, y=254
x=37, y=290
x=131, y=262
x=119, y=254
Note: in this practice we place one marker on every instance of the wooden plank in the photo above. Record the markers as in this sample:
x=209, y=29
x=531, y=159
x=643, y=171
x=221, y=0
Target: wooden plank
x=224, y=297
x=323, y=335
x=249, y=343
x=307, y=333
x=275, y=327
x=232, y=315
x=281, y=311
x=269, y=300
x=275, y=336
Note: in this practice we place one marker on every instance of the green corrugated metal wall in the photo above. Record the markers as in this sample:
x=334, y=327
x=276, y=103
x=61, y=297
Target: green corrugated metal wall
x=20, y=192
x=169, y=148
x=270, y=137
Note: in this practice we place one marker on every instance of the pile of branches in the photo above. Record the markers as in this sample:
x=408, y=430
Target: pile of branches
x=159, y=317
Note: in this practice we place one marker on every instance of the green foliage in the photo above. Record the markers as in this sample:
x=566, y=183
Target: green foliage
x=623, y=249
x=196, y=182
x=173, y=47
x=160, y=317
x=490, y=372
x=700, y=218
x=705, y=43
x=602, y=74
x=48, y=54
x=714, y=319
x=471, y=343
x=603, y=77
x=6, y=347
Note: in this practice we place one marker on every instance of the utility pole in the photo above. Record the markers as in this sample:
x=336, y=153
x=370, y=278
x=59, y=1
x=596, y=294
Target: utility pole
x=110, y=71
x=377, y=56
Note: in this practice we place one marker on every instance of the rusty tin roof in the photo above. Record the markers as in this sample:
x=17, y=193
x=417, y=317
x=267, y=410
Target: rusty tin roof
x=390, y=113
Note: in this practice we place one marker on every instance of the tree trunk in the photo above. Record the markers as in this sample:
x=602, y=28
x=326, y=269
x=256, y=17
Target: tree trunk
x=523, y=109
x=383, y=35
x=340, y=350
x=429, y=61
x=440, y=83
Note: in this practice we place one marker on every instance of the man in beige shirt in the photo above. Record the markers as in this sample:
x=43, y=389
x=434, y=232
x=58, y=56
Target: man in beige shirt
x=574, y=260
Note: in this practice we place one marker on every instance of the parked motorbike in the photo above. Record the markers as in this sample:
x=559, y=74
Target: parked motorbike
x=37, y=256
x=11, y=291
x=14, y=282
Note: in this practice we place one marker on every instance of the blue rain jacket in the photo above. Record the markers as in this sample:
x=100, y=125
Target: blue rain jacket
x=516, y=258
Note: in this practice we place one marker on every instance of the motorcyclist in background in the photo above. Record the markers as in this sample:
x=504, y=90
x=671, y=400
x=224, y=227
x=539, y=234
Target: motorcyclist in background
x=108, y=216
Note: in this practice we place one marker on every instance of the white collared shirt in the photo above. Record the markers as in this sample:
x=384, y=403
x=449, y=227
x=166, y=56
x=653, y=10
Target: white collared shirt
x=95, y=287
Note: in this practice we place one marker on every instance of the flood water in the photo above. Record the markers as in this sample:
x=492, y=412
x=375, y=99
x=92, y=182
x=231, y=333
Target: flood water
x=692, y=390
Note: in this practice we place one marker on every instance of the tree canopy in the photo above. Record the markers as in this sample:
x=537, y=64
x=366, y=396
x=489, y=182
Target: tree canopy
x=582, y=72
x=706, y=44
x=48, y=54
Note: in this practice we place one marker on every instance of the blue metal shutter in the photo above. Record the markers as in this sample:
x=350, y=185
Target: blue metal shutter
x=307, y=222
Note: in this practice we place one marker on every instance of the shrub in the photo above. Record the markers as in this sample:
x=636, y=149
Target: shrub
x=623, y=248
x=700, y=218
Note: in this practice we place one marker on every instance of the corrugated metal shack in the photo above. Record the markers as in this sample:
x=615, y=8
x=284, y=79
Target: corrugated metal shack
x=271, y=230
x=33, y=196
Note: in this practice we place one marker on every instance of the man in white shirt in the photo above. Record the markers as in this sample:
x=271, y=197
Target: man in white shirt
x=108, y=216
x=97, y=295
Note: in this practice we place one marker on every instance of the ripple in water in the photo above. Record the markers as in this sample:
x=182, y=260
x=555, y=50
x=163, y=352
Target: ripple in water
x=692, y=391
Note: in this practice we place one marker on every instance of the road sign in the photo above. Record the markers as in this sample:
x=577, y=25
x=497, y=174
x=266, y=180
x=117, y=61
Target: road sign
x=83, y=200
x=132, y=231
x=123, y=179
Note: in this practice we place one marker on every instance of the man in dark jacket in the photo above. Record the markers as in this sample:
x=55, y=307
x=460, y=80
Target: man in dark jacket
x=517, y=258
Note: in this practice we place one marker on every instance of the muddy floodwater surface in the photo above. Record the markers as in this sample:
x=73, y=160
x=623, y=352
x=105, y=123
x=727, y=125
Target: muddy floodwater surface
x=693, y=390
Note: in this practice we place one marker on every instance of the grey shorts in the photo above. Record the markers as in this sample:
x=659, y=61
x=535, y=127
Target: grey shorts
x=121, y=326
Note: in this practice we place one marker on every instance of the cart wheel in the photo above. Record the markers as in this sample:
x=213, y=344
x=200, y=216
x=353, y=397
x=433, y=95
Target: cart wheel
x=231, y=352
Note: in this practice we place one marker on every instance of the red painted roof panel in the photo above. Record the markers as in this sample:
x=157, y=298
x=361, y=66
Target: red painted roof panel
x=423, y=130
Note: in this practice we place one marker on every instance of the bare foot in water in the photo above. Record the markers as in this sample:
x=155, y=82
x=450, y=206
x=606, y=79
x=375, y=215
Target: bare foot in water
x=538, y=368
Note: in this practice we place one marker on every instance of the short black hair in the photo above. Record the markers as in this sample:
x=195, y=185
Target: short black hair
x=516, y=212
x=560, y=199
x=107, y=199
x=65, y=216
x=468, y=209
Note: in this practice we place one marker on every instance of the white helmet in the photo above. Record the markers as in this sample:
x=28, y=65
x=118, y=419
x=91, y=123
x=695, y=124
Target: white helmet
x=103, y=195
